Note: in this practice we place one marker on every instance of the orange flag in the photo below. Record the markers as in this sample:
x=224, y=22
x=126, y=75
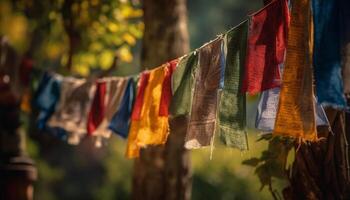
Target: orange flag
x=150, y=128
x=296, y=112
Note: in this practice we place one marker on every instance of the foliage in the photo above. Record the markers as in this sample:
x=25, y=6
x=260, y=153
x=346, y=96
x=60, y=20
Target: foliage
x=90, y=33
x=224, y=177
x=273, y=162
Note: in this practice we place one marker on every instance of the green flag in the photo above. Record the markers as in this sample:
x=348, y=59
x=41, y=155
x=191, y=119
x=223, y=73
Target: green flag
x=232, y=108
x=182, y=85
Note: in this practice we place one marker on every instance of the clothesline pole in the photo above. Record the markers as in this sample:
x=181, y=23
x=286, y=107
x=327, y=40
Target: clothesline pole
x=17, y=169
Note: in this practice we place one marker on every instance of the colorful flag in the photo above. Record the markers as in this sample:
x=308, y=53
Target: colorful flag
x=132, y=149
x=267, y=39
x=232, y=108
x=114, y=91
x=149, y=128
x=182, y=85
x=166, y=89
x=136, y=112
x=97, y=110
x=202, y=120
x=120, y=121
x=327, y=55
x=267, y=111
x=73, y=108
x=296, y=109
x=46, y=97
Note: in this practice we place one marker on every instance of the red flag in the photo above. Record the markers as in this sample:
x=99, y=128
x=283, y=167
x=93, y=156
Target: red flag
x=267, y=39
x=98, y=106
x=136, y=111
x=166, y=89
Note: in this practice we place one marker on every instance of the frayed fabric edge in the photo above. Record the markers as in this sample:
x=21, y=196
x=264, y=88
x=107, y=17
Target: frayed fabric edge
x=244, y=147
x=335, y=106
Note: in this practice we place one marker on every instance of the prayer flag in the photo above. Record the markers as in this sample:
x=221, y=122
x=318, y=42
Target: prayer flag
x=267, y=111
x=97, y=110
x=150, y=128
x=232, y=108
x=120, y=121
x=73, y=107
x=136, y=112
x=296, y=109
x=47, y=97
x=114, y=90
x=267, y=39
x=182, y=85
x=166, y=89
x=327, y=55
x=202, y=120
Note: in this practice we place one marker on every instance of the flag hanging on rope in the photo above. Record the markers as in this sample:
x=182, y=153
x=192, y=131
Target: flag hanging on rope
x=46, y=97
x=296, y=109
x=232, y=107
x=327, y=56
x=120, y=121
x=132, y=149
x=151, y=127
x=97, y=110
x=267, y=39
x=114, y=90
x=267, y=111
x=166, y=89
x=202, y=119
x=72, y=110
x=182, y=85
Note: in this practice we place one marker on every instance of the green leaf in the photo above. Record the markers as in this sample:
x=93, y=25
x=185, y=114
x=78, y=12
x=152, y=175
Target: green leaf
x=265, y=137
x=290, y=158
x=251, y=162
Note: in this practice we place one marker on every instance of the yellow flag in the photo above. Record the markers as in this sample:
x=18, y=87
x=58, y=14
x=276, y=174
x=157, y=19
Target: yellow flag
x=151, y=128
x=296, y=112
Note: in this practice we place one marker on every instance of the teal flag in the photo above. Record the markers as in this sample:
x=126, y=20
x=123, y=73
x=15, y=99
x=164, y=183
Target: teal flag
x=327, y=55
x=182, y=85
x=232, y=108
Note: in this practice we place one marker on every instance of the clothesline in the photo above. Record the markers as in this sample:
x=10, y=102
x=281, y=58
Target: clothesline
x=270, y=53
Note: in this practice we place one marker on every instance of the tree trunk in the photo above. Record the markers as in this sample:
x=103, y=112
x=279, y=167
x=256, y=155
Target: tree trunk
x=321, y=170
x=163, y=172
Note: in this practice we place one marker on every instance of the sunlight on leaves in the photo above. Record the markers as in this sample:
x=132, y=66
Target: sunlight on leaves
x=81, y=69
x=125, y=54
x=97, y=28
x=106, y=59
x=129, y=39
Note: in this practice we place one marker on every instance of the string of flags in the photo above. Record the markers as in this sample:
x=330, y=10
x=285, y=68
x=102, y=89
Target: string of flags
x=280, y=52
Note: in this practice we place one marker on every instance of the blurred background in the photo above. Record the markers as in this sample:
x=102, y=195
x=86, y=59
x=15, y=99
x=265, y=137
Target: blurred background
x=86, y=172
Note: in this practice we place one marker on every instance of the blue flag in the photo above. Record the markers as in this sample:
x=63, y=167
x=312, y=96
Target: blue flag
x=120, y=122
x=46, y=98
x=327, y=55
